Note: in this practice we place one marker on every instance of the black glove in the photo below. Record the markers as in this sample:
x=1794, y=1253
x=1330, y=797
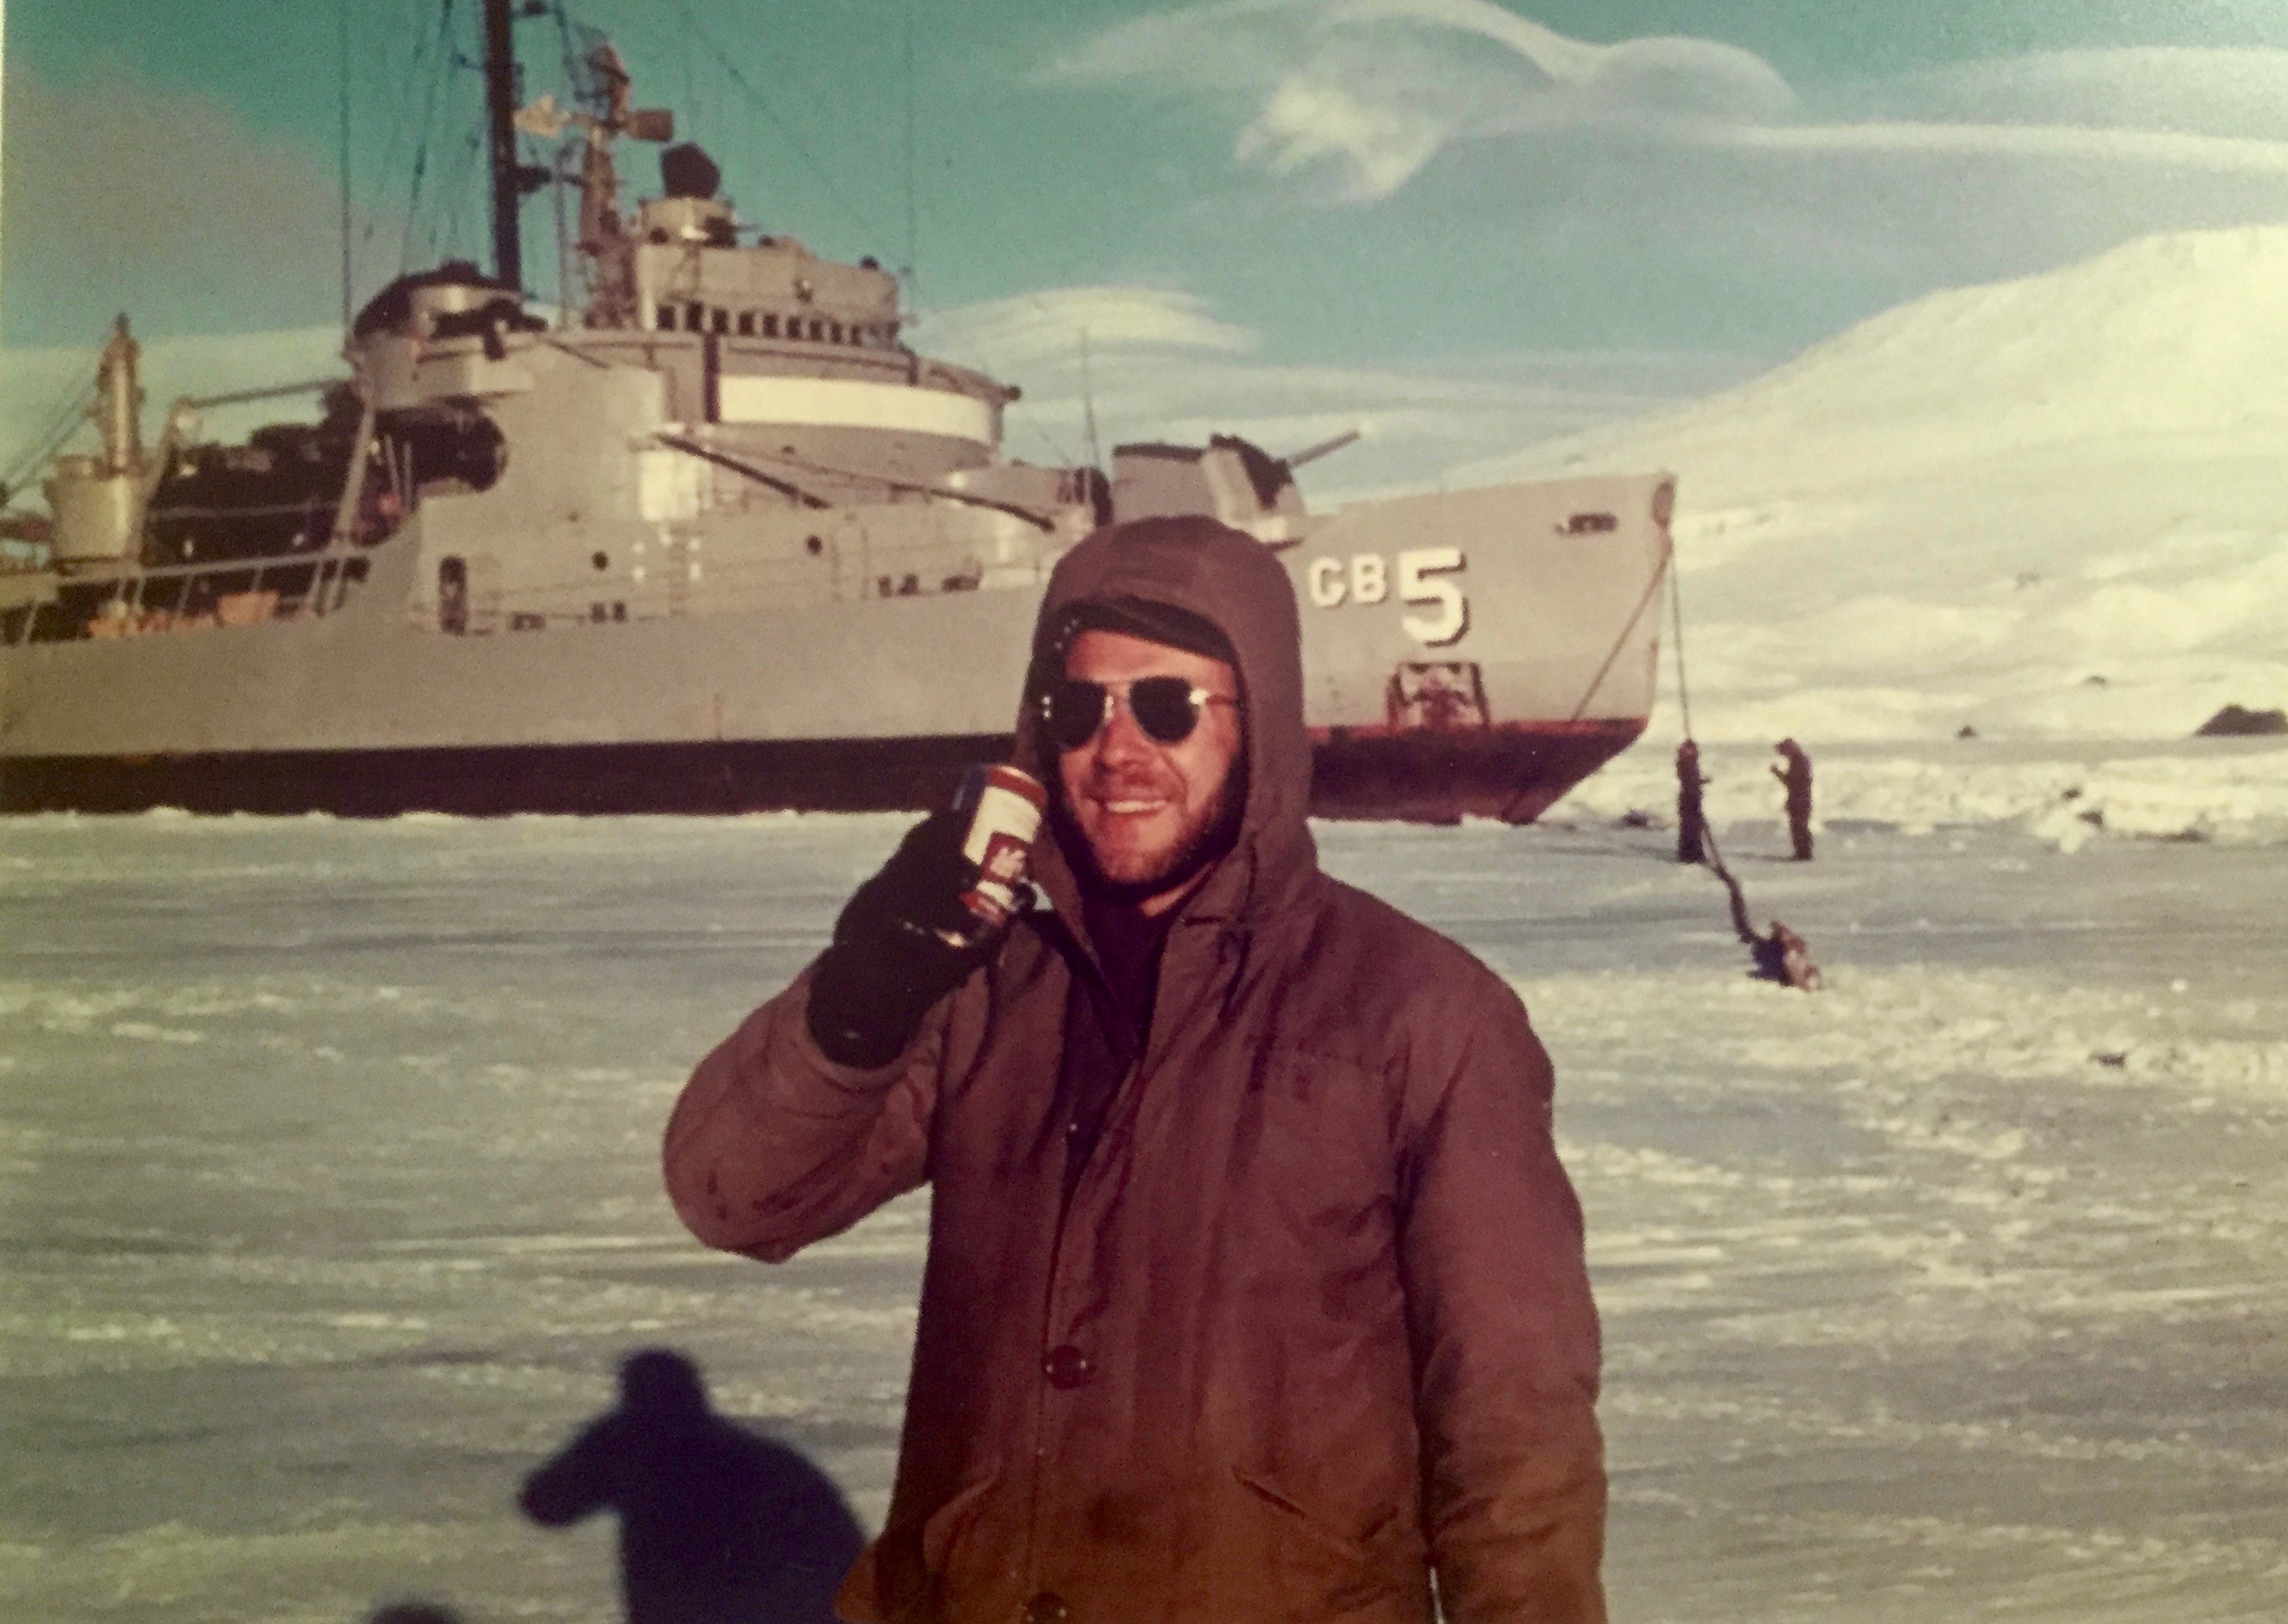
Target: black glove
x=892, y=959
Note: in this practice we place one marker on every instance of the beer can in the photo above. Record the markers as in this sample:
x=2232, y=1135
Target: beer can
x=1005, y=807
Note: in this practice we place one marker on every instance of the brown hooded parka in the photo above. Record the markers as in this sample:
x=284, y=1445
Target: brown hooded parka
x=1314, y=1321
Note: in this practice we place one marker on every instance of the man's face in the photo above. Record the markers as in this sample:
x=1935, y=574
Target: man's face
x=1146, y=808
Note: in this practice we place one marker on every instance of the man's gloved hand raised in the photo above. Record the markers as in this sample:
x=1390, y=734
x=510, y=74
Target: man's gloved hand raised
x=892, y=960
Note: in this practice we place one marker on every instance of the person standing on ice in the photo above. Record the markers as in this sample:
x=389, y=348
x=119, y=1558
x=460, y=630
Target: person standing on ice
x=1691, y=817
x=1255, y=1289
x=1796, y=778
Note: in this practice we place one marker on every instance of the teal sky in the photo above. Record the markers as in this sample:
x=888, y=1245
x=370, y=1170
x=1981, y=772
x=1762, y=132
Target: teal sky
x=1447, y=185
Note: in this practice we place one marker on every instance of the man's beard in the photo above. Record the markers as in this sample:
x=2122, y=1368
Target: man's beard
x=1201, y=847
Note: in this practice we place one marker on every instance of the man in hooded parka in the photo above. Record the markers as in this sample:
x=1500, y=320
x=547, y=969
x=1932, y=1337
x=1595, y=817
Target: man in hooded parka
x=1255, y=1290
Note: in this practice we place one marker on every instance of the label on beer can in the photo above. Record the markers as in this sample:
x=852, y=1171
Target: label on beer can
x=1005, y=807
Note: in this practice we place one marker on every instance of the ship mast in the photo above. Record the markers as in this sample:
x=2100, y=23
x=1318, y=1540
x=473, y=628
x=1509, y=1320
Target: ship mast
x=500, y=115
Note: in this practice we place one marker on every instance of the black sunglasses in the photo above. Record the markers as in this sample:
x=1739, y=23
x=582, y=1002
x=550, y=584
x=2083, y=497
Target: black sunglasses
x=1165, y=707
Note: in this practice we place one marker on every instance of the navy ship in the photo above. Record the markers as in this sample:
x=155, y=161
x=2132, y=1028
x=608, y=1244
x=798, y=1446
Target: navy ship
x=712, y=537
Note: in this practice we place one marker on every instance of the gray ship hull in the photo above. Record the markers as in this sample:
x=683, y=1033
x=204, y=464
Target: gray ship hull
x=1471, y=652
x=719, y=540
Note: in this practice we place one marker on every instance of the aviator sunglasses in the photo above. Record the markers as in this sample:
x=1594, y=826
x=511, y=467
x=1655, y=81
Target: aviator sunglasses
x=1166, y=709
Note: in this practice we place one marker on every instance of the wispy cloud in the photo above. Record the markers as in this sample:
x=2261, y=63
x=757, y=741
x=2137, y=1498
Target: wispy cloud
x=1372, y=89
x=1161, y=365
x=1366, y=93
x=2209, y=154
x=2237, y=93
x=1056, y=322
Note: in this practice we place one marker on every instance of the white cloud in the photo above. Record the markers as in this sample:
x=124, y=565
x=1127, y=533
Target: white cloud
x=1050, y=323
x=1371, y=90
x=2240, y=92
x=1307, y=118
x=2211, y=154
x=1375, y=88
x=1160, y=365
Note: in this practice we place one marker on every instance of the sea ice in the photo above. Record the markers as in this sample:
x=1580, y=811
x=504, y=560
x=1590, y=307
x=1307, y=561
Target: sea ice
x=1948, y=1291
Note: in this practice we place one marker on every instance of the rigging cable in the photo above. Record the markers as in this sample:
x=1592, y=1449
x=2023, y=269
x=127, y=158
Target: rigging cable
x=438, y=72
x=1660, y=578
x=399, y=103
x=398, y=126
x=342, y=11
x=1620, y=641
x=577, y=89
x=60, y=425
x=1780, y=957
x=786, y=130
x=446, y=238
x=913, y=252
x=1676, y=607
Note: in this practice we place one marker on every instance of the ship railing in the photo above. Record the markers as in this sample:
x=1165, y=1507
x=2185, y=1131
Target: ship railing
x=309, y=507
x=728, y=586
x=206, y=592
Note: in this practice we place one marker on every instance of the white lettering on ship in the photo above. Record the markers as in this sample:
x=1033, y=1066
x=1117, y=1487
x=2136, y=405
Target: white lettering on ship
x=1424, y=582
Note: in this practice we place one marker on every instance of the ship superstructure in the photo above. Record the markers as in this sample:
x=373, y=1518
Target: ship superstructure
x=716, y=537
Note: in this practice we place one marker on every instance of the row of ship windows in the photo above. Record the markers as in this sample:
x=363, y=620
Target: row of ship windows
x=697, y=318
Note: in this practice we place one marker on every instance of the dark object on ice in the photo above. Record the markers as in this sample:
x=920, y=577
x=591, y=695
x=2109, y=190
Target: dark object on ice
x=414, y=1613
x=2095, y=679
x=1691, y=818
x=1795, y=776
x=1783, y=957
x=1780, y=957
x=716, y=1525
x=2239, y=722
x=1965, y=731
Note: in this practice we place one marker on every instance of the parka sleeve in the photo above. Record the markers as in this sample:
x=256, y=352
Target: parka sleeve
x=1504, y=1331
x=772, y=1145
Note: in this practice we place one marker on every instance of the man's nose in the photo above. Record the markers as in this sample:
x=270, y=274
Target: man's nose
x=1120, y=740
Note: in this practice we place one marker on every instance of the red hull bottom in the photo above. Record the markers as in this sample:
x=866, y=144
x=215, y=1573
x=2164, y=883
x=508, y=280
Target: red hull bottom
x=1512, y=773
x=1423, y=775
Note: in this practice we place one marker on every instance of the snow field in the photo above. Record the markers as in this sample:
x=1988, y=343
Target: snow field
x=1941, y=1293
x=2046, y=509
x=328, y=1191
x=2229, y=790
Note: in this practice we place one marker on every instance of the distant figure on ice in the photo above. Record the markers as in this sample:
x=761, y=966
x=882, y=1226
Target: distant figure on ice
x=1797, y=778
x=1781, y=956
x=1691, y=818
x=716, y=1525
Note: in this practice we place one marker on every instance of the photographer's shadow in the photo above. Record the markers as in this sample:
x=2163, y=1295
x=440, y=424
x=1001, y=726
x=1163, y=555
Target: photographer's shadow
x=717, y=1525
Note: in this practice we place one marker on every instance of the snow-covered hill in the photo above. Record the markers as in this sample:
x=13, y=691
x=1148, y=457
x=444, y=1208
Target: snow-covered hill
x=2048, y=507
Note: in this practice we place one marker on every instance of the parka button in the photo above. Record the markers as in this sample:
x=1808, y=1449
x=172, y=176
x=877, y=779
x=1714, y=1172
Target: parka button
x=1066, y=1367
x=1046, y=1607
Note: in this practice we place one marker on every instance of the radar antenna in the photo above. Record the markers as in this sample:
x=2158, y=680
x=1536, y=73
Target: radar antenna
x=1088, y=406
